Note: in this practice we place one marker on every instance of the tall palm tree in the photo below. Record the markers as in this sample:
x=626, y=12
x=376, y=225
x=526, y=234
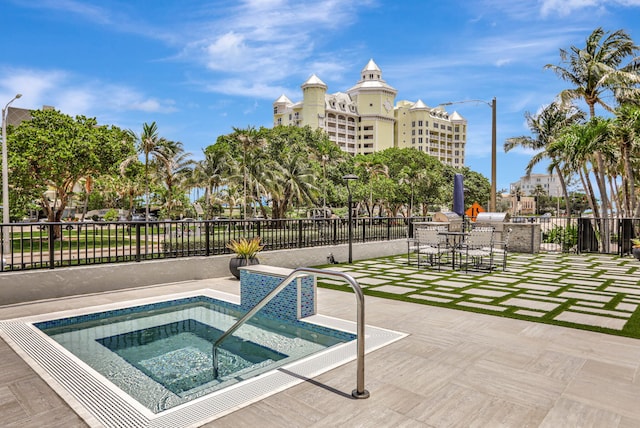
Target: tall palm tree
x=152, y=146
x=546, y=126
x=292, y=182
x=250, y=141
x=209, y=173
x=595, y=70
x=626, y=132
x=577, y=147
x=174, y=169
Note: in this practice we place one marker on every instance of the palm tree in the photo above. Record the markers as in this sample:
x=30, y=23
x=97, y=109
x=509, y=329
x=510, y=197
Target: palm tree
x=577, y=147
x=250, y=141
x=595, y=70
x=209, y=173
x=152, y=146
x=546, y=126
x=174, y=169
x=293, y=183
x=626, y=132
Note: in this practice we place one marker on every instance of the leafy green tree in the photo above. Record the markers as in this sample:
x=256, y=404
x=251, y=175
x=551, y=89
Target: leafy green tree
x=54, y=151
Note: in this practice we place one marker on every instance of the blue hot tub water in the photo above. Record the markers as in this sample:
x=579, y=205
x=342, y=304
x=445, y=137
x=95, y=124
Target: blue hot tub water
x=161, y=354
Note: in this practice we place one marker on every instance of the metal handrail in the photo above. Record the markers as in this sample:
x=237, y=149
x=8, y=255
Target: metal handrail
x=360, y=391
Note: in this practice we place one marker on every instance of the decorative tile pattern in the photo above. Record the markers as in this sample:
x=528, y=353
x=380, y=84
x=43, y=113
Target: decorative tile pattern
x=295, y=301
x=597, y=291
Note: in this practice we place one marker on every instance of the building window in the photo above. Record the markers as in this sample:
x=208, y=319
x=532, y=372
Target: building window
x=435, y=125
x=419, y=123
x=420, y=140
x=420, y=131
x=413, y=123
x=413, y=132
x=275, y=110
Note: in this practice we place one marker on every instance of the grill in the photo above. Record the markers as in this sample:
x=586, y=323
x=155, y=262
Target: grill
x=452, y=219
x=495, y=220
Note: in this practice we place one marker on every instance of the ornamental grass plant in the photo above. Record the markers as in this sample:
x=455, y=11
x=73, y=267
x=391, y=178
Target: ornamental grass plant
x=245, y=248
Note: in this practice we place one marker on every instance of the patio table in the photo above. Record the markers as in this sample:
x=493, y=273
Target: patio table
x=454, y=239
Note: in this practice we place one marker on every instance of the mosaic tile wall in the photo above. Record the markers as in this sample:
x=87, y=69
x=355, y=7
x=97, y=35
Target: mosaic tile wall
x=254, y=286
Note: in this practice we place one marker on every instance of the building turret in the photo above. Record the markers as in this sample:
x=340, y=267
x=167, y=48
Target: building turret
x=313, y=99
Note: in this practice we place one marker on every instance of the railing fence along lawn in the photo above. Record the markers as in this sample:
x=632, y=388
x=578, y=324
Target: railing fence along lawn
x=50, y=245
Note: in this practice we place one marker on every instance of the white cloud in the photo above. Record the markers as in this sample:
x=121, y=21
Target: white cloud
x=267, y=41
x=75, y=95
x=566, y=7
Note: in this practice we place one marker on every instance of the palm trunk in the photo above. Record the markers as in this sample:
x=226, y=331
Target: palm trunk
x=565, y=192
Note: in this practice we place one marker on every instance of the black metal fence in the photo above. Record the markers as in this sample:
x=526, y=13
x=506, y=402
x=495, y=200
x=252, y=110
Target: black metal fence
x=51, y=245
x=585, y=234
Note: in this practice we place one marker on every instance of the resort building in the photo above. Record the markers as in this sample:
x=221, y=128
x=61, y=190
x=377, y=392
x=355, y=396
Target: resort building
x=431, y=130
x=527, y=185
x=366, y=119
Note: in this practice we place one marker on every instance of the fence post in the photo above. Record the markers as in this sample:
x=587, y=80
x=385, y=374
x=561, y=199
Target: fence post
x=138, y=242
x=299, y=233
x=388, y=229
x=52, y=245
x=364, y=228
x=207, y=225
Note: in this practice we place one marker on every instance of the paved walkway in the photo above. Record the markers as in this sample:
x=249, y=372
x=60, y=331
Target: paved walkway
x=455, y=368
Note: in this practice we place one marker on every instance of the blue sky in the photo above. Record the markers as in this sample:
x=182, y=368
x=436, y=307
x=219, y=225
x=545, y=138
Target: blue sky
x=199, y=68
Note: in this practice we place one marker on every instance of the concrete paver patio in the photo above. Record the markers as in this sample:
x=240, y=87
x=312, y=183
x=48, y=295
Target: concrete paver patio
x=455, y=368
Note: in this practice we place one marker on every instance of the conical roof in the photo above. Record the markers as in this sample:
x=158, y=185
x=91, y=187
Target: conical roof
x=371, y=66
x=456, y=116
x=283, y=99
x=419, y=105
x=314, y=81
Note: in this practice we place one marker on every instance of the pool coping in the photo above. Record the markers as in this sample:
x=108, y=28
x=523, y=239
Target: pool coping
x=100, y=403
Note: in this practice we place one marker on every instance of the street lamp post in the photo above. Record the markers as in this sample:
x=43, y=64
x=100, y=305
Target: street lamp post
x=492, y=104
x=348, y=178
x=6, y=247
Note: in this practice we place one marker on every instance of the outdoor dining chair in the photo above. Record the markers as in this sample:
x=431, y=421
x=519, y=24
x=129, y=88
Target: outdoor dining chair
x=431, y=245
x=477, y=249
x=500, y=248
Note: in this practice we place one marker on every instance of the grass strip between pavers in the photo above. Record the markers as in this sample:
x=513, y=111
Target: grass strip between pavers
x=458, y=287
